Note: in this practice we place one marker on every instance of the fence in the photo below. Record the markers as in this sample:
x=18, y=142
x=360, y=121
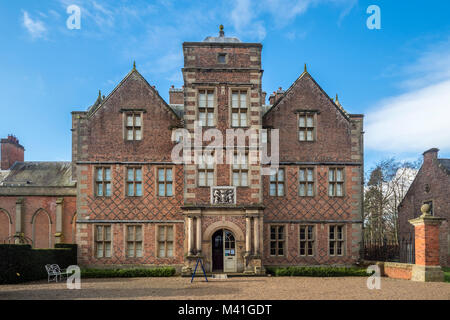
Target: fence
x=389, y=250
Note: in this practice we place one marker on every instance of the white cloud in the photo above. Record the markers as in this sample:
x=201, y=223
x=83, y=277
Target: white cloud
x=412, y=122
x=418, y=119
x=35, y=28
x=247, y=15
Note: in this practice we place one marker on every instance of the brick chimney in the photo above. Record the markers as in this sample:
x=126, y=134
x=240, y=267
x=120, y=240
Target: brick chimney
x=430, y=154
x=176, y=95
x=276, y=95
x=11, y=151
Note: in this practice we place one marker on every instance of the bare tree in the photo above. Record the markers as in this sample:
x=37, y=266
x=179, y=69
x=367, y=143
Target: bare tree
x=386, y=186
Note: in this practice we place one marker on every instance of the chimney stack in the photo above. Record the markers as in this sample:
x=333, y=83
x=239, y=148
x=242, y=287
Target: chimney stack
x=430, y=154
x=276, y=95
x=176, y=96
x=11, y=151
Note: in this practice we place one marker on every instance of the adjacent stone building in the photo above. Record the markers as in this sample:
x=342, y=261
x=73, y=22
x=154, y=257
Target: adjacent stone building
x=430, y=186
x=37, y=199
x=136, y=206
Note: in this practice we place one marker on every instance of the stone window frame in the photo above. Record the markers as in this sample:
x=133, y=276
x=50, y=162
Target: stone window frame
x=157, y=182
x=428, y=201
x=158, y=242
x=306, y=128
x=284, y=240
x=214, y=107
x=240, y=170
x=309, y=243
x=126, y=127
x=343, y=240
x=247, y=91
x=103, y=182
x=277, y=182
x=134, y=241
x=335, y=182
x=307, y=182
x=206, y=170
x=103, y=241
x=134, y=182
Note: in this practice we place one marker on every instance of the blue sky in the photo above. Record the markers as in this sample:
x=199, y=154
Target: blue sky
x=398, y=76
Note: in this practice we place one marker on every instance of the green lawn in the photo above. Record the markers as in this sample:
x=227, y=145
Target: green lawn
x=446, y=274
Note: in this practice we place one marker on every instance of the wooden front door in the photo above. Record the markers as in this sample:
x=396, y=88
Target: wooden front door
x=217, y=251
x=223, y=251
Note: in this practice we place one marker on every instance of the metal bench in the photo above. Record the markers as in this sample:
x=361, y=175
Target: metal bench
x=53, y=272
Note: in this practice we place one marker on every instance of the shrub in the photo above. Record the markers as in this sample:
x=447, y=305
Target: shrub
x=317, y=271
x=128, y=273
x=20, y=263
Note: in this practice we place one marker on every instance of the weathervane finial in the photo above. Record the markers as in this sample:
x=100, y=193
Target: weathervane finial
x=134, y=65
x=305, y=70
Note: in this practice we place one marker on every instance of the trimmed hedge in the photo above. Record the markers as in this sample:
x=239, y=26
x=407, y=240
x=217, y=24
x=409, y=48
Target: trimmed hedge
x=446, y=274
x=317, y=271
x=20, y=263
x=128, y=273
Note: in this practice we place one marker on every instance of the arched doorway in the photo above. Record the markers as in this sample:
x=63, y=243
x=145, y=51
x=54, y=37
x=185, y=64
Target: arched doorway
x=223, y=251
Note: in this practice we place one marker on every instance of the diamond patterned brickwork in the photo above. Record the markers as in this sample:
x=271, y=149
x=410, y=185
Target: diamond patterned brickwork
x=320, y=207
x=292, y=247
x=149, y=206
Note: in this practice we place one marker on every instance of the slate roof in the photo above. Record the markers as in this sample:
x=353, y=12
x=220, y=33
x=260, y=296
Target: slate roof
x=178, y=109
x=39, y=174
x=445, y=164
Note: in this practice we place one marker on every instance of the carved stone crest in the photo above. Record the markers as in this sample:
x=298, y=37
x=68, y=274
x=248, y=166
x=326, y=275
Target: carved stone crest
x=223, y=195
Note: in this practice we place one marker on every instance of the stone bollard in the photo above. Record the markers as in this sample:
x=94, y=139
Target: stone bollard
x=426, y=229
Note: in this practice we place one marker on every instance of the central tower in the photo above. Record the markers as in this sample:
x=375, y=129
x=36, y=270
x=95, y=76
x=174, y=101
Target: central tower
x=222, y=90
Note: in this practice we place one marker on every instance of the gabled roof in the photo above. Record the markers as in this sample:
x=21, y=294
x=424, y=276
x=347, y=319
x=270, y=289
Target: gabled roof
x=39, y=174
x=100, y=102
x=305, y=73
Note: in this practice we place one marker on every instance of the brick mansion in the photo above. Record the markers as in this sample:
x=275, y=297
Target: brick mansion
x=125, y=202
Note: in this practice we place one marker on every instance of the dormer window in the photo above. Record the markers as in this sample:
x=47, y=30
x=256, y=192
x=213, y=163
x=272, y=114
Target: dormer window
x=222, y=58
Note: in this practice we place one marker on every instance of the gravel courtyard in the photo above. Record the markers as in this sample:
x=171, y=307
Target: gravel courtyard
x=296, y=288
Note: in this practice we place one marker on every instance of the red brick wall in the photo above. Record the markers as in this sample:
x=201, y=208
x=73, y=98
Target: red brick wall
x=398, y=271
x=40, y=205
x=439, y=188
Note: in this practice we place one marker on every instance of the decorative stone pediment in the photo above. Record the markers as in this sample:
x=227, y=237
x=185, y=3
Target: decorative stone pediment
x=223, y=195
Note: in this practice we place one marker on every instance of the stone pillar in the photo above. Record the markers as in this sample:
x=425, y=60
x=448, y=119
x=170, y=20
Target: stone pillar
x=190, y=236
x=248, y=236
x=199, y=235
x=59, y=238
x=426, y=229
x=256, y=235
x=19, y=223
